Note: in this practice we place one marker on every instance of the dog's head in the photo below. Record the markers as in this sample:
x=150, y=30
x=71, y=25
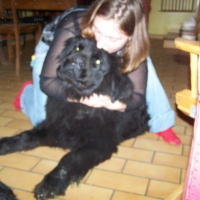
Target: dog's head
x=82, y=65
x=83, y=68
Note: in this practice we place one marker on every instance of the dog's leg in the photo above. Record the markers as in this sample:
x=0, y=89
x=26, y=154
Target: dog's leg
x=6, y=193
x=72, y=168
x=24, y=141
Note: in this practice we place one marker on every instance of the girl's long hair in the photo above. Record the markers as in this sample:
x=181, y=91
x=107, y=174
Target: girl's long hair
x=131, y=19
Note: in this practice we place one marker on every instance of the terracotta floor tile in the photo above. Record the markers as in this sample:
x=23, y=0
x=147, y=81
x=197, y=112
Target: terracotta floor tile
x=22, y=195
x=6, y=93
x=186, y=150
x=127, y=196
x=46, y=152
x=44, y=166
x=114, y=164
x=161, y=189
x=118, y=181
x=128, y=143
x=179, y=87
x=15, y=114
x=1, y=109
x=6, y=131
x=107, y=181
x=185, y=139
x=183, y=175
x=179, y=198
x=149, y=135
x=21, y=124
x=86, y=177
x=19, y=161
x=8, y=105
x=152, y=171
x=8, y=99
x=87, y=192
x=134, y=154
x=157, y=146
x=5, y=120
x=180, y=121
x=171, y=160
x=190, y=131
x=180, y=130
x=20, y=179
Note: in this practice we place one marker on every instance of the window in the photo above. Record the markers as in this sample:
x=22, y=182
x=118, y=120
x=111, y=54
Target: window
x=177, y=5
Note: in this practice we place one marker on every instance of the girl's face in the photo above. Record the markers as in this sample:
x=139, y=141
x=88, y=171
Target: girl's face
x=108, y=35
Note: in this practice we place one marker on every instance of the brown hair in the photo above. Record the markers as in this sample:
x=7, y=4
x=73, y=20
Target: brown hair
x=131, y=19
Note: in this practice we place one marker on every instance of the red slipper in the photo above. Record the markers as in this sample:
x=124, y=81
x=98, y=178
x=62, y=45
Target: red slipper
x=169, y=136
x=18, y=97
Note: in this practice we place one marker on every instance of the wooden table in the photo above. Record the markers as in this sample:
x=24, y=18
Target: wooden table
x=35, y=5
x=40, y=4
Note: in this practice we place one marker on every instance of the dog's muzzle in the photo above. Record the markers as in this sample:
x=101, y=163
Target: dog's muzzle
x=74, y=69
x=79, y=61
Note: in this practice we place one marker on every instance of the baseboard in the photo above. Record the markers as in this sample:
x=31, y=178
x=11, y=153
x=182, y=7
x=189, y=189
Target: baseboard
x=168, y=41
x=154, y=36
x=169, y=44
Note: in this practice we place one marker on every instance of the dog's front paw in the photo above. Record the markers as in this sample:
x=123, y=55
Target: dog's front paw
x=49, y=188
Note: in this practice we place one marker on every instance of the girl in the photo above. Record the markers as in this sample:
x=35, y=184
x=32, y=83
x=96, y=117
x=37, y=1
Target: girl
x=118, y=26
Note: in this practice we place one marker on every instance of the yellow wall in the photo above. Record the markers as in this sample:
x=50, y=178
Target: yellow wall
x=161, y=22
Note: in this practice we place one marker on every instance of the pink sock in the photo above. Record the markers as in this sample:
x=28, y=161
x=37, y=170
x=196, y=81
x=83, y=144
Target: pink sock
x=169, y=136
x=18, y=97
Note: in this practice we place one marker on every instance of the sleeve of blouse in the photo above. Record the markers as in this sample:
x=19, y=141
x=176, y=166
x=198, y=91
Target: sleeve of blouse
x=139, y=80
x=49, y=82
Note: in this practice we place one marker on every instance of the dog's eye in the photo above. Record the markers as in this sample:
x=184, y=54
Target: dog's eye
x=80, y=47
x=98, y=62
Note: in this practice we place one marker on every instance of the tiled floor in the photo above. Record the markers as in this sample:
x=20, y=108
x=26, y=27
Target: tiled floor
x=145, y=168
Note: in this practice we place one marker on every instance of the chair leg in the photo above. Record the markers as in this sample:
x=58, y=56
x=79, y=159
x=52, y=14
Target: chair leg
x=10, y=49
x=24, y=42
x=3, y=59
x=38, y=34
x=17, y=57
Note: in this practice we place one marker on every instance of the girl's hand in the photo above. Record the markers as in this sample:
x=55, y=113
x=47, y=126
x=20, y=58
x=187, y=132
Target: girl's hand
x=99, y=101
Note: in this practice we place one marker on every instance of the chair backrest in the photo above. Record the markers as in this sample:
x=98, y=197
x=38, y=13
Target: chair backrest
x=48, y=5
x=45, y=5
x=2, y=11
x=187, y=99
x=60, y=5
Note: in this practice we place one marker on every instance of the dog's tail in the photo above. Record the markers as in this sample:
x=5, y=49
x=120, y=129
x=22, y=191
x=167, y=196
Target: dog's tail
x=6, y=193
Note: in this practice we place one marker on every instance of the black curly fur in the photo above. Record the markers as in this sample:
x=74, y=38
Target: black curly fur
x=6, y=193
x=92, y=134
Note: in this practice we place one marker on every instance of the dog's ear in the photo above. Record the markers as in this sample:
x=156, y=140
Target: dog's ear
x=115, y=91
x=68, y=48
x=121, y=88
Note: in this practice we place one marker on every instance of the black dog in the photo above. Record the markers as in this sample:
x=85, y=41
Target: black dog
x=6, y=193
x=92, y=134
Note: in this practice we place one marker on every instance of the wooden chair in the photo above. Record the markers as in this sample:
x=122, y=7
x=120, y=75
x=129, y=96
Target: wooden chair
x=16, y=28
x=186, y=99
x=188, y=102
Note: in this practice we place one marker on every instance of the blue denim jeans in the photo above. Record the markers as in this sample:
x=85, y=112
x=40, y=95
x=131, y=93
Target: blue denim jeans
x=162, y=116
x=33, y=100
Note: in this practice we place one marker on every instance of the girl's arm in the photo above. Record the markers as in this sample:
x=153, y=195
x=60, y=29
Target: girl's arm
x=99, y=101
x=49, y=82
x=139, y=79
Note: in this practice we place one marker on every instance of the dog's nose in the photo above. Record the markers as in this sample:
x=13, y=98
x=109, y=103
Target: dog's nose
x=79, y=61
